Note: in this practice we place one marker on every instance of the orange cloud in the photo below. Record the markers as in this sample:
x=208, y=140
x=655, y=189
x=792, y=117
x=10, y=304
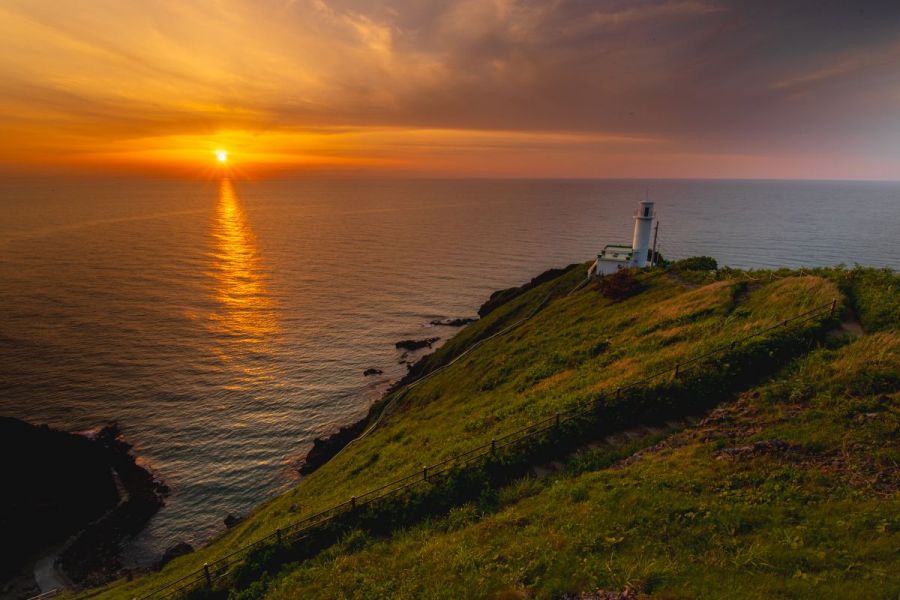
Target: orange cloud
x=473, y=87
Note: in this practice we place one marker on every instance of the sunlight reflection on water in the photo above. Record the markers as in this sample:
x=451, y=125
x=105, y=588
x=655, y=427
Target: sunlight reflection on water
x=245, y=323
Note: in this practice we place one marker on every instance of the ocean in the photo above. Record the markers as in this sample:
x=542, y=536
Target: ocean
x=226, y=324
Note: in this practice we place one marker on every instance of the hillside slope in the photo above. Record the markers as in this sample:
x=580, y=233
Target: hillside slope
x=789, y=492
x=577, y=348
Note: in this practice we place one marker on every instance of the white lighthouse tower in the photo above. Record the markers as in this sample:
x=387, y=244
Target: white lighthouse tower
x=615, y=257
x=643, y=224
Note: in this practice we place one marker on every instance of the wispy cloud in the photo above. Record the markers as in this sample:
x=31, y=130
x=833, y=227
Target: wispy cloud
x=578, y=81
x=879, y=60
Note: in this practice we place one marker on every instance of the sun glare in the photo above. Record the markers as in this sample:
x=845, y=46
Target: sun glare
x=222, y=156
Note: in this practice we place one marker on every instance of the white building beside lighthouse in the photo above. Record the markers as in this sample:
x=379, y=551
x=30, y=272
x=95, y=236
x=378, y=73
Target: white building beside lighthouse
x=615, y=257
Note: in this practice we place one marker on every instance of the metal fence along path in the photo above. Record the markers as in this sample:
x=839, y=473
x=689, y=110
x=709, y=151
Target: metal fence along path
x=303, y=528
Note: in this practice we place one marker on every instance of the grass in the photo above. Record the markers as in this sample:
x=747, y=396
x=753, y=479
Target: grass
x=687, y=520
x=575, y=348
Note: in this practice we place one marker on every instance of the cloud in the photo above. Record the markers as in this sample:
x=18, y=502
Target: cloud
x=844, y=66
x=687, y=76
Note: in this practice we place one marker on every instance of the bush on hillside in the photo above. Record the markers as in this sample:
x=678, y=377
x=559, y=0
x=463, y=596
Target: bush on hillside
x=696, y=263
x=876, y=297
x=619, y=285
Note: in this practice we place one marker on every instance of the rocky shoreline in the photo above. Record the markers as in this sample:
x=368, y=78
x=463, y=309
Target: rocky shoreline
x=86, y=492
x=93, y=557
x=326, y=447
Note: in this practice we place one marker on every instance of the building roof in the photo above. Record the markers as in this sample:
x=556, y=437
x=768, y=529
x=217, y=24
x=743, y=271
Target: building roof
x=616, y=253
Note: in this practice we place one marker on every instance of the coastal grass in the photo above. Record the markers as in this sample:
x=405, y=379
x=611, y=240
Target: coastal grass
x=792, y=491
x=577, y=347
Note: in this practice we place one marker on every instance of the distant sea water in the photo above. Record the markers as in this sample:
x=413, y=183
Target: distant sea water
x=225, y=325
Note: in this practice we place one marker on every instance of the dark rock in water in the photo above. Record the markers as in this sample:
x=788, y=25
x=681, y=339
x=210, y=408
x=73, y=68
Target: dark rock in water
x=458, y=322
x=324, y=448
x=416, y=344
x=372, y=371
x=231, y=520
x=173, y=552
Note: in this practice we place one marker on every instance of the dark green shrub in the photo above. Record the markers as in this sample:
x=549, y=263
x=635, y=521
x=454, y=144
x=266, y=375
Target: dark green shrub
x=255, y=591
x=695, y=263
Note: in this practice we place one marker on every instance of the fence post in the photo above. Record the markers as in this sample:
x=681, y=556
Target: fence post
x=677, y=368
x=206, y=573
x=278, y=535
x=352, y=502
x=833, y=306
x=493, y=446
x=785, y=323
x=557, y=420
x=425, y=472
x=733, y=344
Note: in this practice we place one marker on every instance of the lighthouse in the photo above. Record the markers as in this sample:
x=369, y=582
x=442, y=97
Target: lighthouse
x=615, y=257
x=640, y=243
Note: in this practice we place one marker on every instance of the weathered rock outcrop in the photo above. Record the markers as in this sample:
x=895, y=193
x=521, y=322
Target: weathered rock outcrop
x=416, y=344
x=231, y=520
x=173, y=552
x=59, y=484
x=55, y=483
x=457, y=322
x=326, y=447
x=93, y=557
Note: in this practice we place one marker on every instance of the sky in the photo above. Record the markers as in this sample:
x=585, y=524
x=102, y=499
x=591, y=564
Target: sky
x=471, y=88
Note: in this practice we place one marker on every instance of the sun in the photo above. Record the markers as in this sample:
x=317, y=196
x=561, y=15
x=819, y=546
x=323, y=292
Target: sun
x=222, y=156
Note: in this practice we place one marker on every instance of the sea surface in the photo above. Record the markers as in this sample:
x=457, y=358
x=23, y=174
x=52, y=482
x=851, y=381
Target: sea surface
x=226, y=324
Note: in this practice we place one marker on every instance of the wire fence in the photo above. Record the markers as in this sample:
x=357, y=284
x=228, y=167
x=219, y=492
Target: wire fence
x=304, y=528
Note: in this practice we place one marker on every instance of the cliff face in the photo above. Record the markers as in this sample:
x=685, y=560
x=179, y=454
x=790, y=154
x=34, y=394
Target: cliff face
x=54, y=483
x=61, y=487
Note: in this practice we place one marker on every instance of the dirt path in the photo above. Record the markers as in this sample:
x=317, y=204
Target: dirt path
x=620, y=438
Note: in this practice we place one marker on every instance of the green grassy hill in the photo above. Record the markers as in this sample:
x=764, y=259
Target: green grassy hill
x=788, y=492
x=705, y=512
